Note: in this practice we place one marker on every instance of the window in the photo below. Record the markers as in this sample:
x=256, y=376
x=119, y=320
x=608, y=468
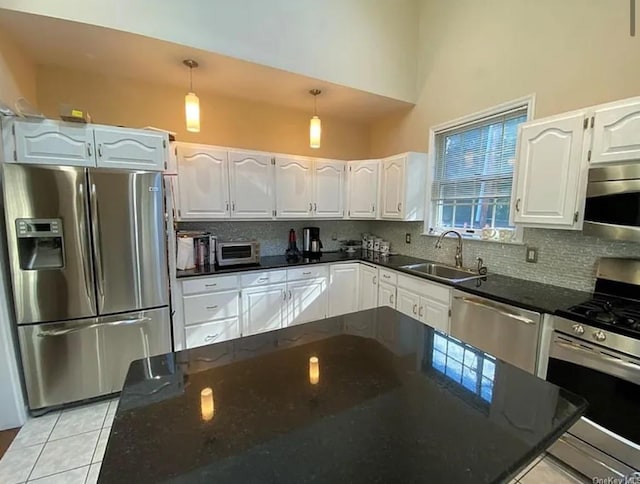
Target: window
x=473, y=172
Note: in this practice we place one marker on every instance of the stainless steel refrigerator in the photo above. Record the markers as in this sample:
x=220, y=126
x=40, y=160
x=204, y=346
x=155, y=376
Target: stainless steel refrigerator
x=89, y=276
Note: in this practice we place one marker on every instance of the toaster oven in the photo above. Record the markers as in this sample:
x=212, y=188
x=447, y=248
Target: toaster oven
x=238, y=252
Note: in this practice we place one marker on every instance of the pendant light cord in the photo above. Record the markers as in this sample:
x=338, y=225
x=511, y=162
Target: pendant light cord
x=315, y=104
x=190, y=79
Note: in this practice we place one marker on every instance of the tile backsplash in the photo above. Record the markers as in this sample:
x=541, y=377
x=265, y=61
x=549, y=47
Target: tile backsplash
x=274, y=236
x=566, y=258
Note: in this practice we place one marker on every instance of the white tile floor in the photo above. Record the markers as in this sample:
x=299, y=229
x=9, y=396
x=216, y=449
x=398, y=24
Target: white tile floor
x=64, y=447
x=67, y=448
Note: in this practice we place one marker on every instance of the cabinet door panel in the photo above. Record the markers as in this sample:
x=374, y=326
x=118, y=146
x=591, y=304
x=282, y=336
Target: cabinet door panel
x=307, y=300
x=251, y=185
x=363, y=189
x=434, y=314
x=203, y=183
x=293, y=187
x=343, y=289
x=616, y=133
x=328, y=189
x=130, y=149
x=263, y=309
x=386, y=295
x=550, y=171
x=368, y=287
x=392, y=188
x=408, y=302
x=53, y=143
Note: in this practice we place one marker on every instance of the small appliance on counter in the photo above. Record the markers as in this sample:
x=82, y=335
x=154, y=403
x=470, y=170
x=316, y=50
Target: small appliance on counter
x=311, y=243
x=350, y=246
x=292, y=253
x=195, y=249
x=237, y=252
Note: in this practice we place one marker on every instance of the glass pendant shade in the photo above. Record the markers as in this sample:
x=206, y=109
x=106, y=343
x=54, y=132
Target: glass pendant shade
x=315, y=132
x=192, y=112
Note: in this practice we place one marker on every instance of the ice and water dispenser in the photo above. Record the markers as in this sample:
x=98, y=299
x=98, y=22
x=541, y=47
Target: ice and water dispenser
x=40, y=244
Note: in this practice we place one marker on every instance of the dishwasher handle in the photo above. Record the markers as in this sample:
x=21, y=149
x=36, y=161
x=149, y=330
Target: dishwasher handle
x=498, y=308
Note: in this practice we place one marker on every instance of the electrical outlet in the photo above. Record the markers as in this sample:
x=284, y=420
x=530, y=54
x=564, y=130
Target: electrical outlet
x=532, y=254
x=407, y=238
x=334, y=236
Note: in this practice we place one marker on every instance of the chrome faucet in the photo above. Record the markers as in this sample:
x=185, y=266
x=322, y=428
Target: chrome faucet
x=458, y=249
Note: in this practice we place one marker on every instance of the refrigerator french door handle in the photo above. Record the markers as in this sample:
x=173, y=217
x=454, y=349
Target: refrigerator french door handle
x=95, y=230
x=75, y=329
x=82, y=236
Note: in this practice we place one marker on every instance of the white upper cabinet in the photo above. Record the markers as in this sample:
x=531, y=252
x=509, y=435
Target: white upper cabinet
x=550, y=173
x=402, y=187
x=343, y=288
x=48, y=142
x=203, y=183
x=616, y=132
x=328, y=189
x=363, y=189
x=130, y=149
x=251, y=185
x=294, y=187
x=392, y=187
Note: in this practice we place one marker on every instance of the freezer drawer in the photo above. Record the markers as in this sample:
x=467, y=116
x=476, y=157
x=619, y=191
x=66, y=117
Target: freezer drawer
x=509, y=333
x=70, y=361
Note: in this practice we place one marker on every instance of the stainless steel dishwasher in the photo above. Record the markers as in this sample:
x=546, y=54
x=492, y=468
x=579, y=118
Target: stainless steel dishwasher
x=507, y=332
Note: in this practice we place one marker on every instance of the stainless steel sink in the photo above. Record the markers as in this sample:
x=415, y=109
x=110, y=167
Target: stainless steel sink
x=442, y=271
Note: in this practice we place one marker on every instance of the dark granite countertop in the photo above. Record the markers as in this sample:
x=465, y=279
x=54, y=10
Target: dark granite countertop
x=535, y=296
x=395, y=401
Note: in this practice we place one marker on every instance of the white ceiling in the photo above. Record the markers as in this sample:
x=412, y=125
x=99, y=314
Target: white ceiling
x=116, y=53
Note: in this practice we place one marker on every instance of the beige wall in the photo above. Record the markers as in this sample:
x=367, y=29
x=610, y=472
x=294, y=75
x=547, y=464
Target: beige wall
x=477, y=54
x=224, y=121
x=17, y=73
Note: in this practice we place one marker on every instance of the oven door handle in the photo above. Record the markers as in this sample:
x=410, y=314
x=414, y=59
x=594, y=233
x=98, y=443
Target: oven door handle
x=599, y=361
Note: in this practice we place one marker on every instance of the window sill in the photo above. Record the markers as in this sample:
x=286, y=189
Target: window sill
x=467, y=238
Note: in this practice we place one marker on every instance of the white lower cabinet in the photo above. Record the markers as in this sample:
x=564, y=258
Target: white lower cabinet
x=386, y=295
x=343, y=288
x=199, y=308
x=368, y=287
x=307, y=300
x=425, y=301
x=264, y=308
x=408, y=303
x=212, y=332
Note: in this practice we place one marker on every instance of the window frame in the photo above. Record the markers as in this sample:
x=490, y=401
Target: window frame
x=525, y=102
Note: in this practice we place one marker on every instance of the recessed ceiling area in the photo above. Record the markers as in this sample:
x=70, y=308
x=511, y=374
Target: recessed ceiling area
x=115, y=53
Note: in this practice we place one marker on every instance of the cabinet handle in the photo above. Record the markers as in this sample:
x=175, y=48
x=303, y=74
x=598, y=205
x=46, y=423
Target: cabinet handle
x=227, y=206
x=386, y=276
x=373, y=207
x=375, y=280
x=233, y=206
x=420, y=313
x=284, y=295
x=391, y=299
x=518, y=205
x=89, y=150
x=211, y=337
x=415, y=309
x=310, y=207
x=289, y=294
x=100, y=150
x=211, y=285
x=399, y=207
x=315, y=207
x=262, y=279
x=306, y=273
x=212, y=307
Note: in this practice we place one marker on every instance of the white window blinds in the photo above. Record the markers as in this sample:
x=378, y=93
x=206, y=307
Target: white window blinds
x=474, y=172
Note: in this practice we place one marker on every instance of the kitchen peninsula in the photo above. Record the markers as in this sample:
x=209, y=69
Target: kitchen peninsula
x=370, y=396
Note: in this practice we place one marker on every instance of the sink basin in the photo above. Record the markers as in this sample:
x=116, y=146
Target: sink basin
x=444, y=272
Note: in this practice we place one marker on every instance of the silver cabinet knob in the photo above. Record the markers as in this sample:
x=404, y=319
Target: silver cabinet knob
x=599, y=335
x=578, y=329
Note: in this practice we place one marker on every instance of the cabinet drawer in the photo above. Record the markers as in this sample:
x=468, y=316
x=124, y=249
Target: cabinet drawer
x=306, y=273
x=387, y=276
x=263, y=278
x=423, y=288
x=207, y=307
x=209, y=284
x=209, y=333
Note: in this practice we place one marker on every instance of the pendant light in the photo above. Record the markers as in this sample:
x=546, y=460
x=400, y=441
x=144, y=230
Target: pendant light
x=191, y=101
x=315, y=125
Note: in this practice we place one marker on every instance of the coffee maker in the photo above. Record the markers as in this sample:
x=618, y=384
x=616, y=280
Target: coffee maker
x=311, y=243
